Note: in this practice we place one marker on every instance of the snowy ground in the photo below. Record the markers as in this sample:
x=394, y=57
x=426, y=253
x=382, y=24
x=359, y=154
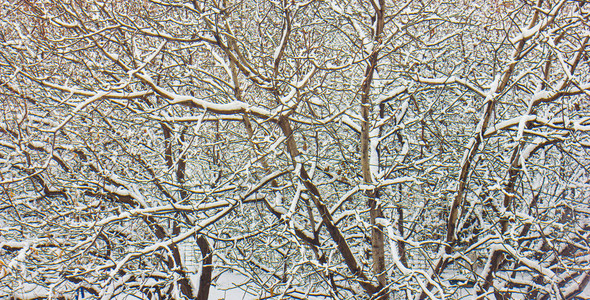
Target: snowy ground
x=234, y=286
x=230, y=286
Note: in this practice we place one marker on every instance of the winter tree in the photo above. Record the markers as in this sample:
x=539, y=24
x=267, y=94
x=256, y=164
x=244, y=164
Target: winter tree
x=363, y=149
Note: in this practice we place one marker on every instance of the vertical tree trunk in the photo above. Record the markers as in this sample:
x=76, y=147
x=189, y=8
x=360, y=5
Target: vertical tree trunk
x=205, y=281
x=377, y=241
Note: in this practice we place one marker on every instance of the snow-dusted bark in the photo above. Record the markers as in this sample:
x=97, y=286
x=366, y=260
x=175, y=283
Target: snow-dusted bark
x=348, y=150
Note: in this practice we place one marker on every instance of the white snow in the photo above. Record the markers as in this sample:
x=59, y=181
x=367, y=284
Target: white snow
x=493, y=89
x=316, y=101
x=303, y=82
x=540, y=95
x=549, y=275
x=526, y=33
x=231, y=285
x=288, y=99
x=397, y=180
x=22, y=253
x=577, y=124
x=224, y=108
x=373, y=156
x=451, y=80
x=348, y=121
x=521, y=124
x=79, y=107
x=390, y=95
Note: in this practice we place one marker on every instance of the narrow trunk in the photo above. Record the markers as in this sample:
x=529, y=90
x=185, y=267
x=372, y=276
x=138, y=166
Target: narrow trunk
x=205, y=281
x=377, y=240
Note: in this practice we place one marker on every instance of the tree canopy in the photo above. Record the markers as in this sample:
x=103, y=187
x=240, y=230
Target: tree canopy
x=364, y=149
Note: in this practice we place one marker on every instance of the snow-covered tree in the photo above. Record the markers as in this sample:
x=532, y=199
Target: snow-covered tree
x=338, y=149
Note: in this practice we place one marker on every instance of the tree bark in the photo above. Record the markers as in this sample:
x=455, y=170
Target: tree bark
x=205, y=281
